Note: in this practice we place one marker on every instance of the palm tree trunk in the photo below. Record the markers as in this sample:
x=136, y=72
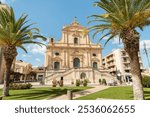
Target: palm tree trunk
x=7, y=78
x=131, y=45
x=10, y=53
x=136, y=77
x=1, y=65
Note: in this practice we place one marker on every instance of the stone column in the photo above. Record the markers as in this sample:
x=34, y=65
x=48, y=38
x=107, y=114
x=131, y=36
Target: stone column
x=87, y=59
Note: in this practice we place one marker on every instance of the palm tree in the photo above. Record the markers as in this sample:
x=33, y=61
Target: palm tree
x=0, y=64
x=15, y=33
x=122, y=18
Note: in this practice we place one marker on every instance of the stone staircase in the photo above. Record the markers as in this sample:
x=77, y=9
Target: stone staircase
x=72, y=74
x=57, y=75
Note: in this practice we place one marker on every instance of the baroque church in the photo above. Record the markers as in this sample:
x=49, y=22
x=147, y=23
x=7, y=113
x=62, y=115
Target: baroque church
x=74, y=56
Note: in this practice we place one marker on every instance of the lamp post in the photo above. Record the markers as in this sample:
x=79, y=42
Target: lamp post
x=119, y=77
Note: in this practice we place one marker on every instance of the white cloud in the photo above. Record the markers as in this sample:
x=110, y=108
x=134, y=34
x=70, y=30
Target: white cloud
x=147, y=42
x=116, y=40
x=38, y=60
x=105, y=38
x=3, y=1
x=7, y=1
x=25, y=55
x=35, y=66
x=36, y=49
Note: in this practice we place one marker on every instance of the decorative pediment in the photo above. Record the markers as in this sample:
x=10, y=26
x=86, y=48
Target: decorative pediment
x=56, y=59
x=76, y=34
x=74, y=26
x=76, y=53
x=95, y=59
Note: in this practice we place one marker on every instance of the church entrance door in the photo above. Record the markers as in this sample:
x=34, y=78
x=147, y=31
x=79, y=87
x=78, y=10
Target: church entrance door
x=76, y=63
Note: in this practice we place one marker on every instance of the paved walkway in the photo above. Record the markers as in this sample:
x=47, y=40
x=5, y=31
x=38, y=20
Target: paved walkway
x=82, y=93
x=1, y=86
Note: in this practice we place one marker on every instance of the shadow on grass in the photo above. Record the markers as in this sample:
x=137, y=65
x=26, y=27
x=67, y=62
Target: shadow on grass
x=147, y=95
x=36, y=94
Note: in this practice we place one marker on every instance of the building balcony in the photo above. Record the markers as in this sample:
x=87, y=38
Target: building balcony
x=112, y=70
x=125, y=56
x=126, y=62
x=110, y=59
x=111, y=65
x=127, y=68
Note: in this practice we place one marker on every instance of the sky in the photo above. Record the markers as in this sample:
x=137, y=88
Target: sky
x=51, y=15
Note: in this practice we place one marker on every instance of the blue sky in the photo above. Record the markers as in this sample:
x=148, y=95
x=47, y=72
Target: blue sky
x=52, y=15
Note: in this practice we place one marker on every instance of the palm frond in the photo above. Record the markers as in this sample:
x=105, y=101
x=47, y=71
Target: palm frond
x=17, y=32
x=120, y=16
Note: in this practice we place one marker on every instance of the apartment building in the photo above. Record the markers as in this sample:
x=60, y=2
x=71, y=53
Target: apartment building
x=23, y=68
x=117, y=62
x=40, y=73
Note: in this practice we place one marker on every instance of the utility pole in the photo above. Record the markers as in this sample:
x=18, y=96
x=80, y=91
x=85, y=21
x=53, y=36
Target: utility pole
x=145, y=51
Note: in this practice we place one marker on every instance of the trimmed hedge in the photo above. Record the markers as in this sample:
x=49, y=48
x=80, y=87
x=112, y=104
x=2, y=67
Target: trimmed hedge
x=146, y=81
x=100, y=81
x=17, y=86
x=104, y=82
x=85, y=82
x=54, y=83
x=78, y=83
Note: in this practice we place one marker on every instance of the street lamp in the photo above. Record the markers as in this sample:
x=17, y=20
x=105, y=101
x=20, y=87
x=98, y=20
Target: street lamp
x=119, y=77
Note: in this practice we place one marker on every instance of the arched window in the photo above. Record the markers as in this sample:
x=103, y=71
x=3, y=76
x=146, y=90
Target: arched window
x=57, y=53
x=95, y=65
x=56, y=65
x=76, y=63
x=75, y=40
x=94, y=54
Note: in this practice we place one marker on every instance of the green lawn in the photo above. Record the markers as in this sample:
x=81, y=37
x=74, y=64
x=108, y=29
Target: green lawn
x=40, y=93
x=123, y=93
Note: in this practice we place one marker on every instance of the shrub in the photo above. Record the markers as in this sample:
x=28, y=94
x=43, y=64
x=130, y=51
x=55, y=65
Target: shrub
x=72, y=82
x=85, y=82
x=88, y=81
x=61, y=83
x=78, y=83
x=1, y=97
x=104, y=82
x=54, y=83
x=146, y=81
x=100, y=81
x=17, y=86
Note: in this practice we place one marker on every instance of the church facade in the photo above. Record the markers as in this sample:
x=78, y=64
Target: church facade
x=74, y=56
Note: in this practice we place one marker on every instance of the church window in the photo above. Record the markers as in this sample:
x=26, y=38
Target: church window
x=57, y=53
x=95, y=65
x=56, y=65
x=94, y=54
x=76, y=63
x=75, y=40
